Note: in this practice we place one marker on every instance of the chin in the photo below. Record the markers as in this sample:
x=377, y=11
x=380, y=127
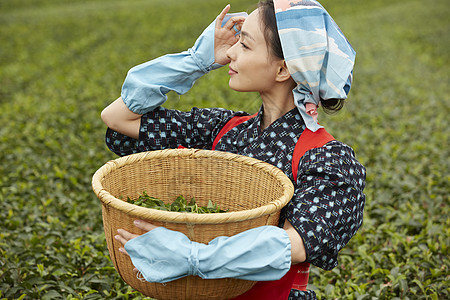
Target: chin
x=237, y=87
x=233, y=86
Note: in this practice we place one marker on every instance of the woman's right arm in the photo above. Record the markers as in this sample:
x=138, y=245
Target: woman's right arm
x=146, y=85
x=119, y=118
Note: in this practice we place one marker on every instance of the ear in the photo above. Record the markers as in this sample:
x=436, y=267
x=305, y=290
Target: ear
x=283, y=72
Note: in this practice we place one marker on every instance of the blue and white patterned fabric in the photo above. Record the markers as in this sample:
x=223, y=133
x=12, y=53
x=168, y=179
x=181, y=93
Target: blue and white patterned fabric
x=318, y=55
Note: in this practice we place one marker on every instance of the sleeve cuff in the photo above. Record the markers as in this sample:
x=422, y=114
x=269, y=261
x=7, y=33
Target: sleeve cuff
x=146, y=85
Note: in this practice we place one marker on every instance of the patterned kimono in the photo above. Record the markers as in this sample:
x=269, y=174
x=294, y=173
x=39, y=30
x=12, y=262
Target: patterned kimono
x=328, y=202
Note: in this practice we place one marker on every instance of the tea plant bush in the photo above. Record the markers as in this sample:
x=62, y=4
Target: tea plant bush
x=62, y=62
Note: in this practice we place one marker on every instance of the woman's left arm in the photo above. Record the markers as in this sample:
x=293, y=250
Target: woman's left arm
x=162, y=255
x=327, y=208
x=298, y=252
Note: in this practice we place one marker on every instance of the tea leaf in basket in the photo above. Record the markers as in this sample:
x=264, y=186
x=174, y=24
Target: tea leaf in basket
x=179, y=205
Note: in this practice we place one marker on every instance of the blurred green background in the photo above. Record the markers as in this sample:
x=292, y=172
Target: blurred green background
x=62, y=62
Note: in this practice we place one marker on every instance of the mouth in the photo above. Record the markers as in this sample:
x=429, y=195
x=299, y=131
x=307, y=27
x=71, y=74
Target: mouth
x=232, y=71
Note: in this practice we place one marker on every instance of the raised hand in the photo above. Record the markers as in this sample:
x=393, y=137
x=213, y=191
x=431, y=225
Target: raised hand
x=225, y=36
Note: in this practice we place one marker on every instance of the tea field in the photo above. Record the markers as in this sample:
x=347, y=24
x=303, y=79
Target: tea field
x=62, y=62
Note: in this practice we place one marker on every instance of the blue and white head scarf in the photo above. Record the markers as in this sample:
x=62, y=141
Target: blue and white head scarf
x=319, y=57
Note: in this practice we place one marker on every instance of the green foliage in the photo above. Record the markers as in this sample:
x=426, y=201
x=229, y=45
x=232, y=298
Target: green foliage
x=62, y=62
x=179, y=205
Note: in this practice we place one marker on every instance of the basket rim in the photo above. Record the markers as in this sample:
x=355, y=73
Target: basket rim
x=183, y=217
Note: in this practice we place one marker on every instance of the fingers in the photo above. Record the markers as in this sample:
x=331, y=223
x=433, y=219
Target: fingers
x=124, y=236
x=237, y=20
x=122, y=250
x=222, y=15
x=233, y=20
x=144, y=225
x=234, y=25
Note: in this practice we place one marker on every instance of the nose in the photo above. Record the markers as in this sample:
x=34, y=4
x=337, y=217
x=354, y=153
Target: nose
x=231, y=52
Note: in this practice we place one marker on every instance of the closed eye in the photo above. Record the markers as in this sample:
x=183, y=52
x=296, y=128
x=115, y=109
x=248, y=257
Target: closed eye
x=244, y=45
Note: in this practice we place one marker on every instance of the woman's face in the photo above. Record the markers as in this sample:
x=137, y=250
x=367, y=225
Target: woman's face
x=252, y=67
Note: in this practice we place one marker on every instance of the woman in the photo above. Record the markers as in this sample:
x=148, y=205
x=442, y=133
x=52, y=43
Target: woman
x=295, y=56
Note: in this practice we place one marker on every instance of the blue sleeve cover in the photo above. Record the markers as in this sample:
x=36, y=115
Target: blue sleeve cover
x=260, y=254
x=147, y=84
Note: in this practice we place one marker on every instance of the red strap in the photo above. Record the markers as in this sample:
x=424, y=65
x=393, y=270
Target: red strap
x=308, y=140
x=301, y=277
x=235, y=121
x=279, y=289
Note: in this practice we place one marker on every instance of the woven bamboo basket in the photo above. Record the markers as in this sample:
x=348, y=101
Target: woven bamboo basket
x=252, y=191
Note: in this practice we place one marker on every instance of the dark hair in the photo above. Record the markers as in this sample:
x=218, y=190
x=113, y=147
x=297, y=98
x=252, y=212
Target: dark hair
x=270, y=31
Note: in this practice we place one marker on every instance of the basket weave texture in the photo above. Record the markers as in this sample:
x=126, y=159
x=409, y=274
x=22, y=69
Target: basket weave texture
x=252, y=191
